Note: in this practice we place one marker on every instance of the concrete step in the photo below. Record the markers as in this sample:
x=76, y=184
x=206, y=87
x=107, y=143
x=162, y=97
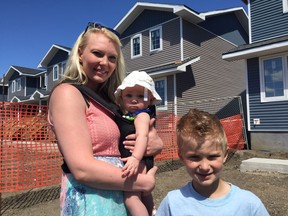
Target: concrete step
x=264, y=164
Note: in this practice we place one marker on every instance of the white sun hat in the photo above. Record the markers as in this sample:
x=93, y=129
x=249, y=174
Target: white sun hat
x=140, y=78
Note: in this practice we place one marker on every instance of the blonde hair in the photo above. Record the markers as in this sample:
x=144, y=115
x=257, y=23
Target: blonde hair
x=198, y=125
x=74, y=71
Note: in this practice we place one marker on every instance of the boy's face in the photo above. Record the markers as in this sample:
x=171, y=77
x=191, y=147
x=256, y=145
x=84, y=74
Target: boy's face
x=204, y=162
x=133, y=98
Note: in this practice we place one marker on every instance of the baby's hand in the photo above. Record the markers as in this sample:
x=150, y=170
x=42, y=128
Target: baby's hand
x=131, y=166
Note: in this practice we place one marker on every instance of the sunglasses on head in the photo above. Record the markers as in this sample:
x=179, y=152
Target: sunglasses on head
x=99, y=26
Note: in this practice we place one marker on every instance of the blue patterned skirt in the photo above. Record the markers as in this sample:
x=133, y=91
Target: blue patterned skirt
x=77, y=199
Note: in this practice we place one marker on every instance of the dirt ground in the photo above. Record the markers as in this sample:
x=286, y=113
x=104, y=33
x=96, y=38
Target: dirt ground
x=271, y=188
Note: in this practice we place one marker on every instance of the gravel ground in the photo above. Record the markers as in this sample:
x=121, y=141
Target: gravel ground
x=271, y=188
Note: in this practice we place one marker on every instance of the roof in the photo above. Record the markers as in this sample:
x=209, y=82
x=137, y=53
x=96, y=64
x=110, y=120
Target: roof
x=261, y=48
x=180, y=10
x=239, y=12
x=139, y=7
x=22, y=71
x=171, y=68
x=51, y=53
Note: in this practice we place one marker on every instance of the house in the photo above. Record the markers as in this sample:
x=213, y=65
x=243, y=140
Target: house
x=266, y=58
x=33, y=86
x=3, y=90
x=182, y=50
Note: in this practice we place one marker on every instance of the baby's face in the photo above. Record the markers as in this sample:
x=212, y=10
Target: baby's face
x=133, y=98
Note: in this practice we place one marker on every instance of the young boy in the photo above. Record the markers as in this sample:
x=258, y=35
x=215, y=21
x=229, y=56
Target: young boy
x=202, y=147
x=137, y=98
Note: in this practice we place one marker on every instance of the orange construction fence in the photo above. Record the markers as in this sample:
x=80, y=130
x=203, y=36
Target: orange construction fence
x=30, y=157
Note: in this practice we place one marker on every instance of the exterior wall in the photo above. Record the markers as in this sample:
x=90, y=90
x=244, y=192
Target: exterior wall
x=273, y=115
x=227, y=26
x=147, y=19
x=60, y=56
x=31, y=85
x=267, y=19
x=269, y=141
x=170, y=52
x=16, y=93
x=210, y=77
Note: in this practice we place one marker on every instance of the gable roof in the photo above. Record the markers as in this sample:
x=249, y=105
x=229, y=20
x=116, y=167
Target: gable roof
x=22, y=71
x=180, y=10
x=239, y=12
x=139, y=7
x=171, y=67
x=51, y=53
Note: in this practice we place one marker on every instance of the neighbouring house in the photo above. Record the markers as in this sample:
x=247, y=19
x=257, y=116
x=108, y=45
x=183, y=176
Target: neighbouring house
x=3, y=90
x=266, y=58
x=33, y=86
x=182, y=50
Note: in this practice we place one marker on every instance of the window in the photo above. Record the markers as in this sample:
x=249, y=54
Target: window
x=160, y=86
x=43, y=81
x=63, y=66
x=285, y=6
x=13, y=86
x=18, y=84
x=55, y=72
x=136, y=46
x=155, y=39
x=274, y=81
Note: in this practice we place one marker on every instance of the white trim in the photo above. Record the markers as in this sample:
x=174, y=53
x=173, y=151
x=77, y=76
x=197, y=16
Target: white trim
x=13, y=86
x=257, y=51
x=132, y=47
x=18, y=84
x=181, y=39
x=175, y=95
x=55, y=76
x=247, y=97
x=285, y=6
x=183, y=66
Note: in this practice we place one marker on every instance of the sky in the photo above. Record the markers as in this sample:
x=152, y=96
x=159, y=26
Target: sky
x=28, y=28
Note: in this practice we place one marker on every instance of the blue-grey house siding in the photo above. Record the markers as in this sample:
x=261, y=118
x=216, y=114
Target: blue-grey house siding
x=226, y=26
x=267, y=19
x=171, y=46
x=31, y=85
x=267, y=115
x=146, y=20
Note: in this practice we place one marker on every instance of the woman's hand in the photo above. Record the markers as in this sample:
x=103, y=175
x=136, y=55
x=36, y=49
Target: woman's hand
x=155, y=143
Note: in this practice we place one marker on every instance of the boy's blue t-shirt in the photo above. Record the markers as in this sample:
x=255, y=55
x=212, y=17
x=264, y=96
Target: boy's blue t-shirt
x=186, y=201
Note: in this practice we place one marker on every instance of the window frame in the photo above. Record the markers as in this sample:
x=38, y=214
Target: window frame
x=43, y=84
x=163, y=105
x=160, y=39
x=132, y=46
x=13, y=87
x=18, y=84
x=285, y=6
x=284, y=61
x=55, y=72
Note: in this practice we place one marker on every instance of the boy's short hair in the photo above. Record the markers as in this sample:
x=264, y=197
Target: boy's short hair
x=198, y=125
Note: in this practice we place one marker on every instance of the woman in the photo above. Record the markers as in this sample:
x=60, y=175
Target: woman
x=92, y=181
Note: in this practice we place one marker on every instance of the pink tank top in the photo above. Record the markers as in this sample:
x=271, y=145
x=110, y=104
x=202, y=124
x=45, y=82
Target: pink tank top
x=103, y=130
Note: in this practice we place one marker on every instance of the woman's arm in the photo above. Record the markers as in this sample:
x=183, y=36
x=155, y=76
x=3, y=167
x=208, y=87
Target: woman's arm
x=155, y=143
x=67, y=111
